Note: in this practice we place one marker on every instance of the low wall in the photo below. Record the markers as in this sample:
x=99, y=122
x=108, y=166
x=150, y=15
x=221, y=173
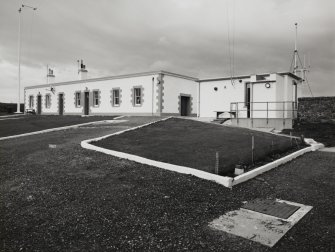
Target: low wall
x=315, y=109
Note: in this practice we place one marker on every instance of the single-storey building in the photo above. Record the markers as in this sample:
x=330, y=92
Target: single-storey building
x=260, y=100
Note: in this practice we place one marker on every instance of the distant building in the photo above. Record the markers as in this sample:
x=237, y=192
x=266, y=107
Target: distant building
x=262, y=100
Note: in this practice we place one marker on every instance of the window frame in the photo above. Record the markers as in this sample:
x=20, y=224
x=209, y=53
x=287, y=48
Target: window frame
x=78, y=99
x=31, y=101
x=116, y=104
x=96, y=100
x=138, y=96
x=47, y=101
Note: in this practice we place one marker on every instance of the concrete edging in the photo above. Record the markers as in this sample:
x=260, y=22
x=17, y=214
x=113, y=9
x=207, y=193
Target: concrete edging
x=52, y=129
x=225, y=181
x=255, y=172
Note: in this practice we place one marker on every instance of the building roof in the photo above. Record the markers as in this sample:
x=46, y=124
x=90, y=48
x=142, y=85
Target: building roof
x=247, y=76
x=114, y=77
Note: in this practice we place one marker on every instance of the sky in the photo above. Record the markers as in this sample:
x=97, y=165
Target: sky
x=198, y=38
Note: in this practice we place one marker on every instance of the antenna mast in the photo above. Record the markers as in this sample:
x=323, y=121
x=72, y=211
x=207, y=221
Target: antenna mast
x=296, y=50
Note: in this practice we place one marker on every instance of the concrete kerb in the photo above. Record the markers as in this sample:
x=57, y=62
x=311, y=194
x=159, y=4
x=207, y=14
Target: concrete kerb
x=225, y=181
x=54, y=129
x=253, y=173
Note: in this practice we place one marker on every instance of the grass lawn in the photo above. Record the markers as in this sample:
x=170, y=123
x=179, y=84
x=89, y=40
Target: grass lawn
x=31, y=123
x=321, y=132
x=73, y=199
x=194, y=144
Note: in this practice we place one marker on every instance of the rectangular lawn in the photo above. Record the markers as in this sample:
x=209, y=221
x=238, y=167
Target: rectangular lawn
x=30, y=123
x=194, y=144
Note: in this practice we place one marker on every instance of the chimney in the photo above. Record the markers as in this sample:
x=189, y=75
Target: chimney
x=82, y=72
x=50, y=76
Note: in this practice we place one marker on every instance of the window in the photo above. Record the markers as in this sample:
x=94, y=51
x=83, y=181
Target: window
x=78, y=96
x=137, y=96
x=31, y=101
x=95, y=98
x=116, y=97
x=47, y=100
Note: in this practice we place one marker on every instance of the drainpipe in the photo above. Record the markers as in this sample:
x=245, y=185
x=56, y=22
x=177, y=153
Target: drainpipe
x=198, y=108
x=152, y=98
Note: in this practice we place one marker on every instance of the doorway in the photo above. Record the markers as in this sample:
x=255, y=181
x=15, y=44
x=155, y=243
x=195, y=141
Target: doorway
x=61, y=104
x=185, y=105
x=247, y=98
x=39, y=104
x=86, y=103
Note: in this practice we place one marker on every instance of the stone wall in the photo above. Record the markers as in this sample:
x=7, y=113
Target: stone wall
x=315, y=109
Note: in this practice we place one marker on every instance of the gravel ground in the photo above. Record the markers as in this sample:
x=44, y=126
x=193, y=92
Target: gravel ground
x=72, y=199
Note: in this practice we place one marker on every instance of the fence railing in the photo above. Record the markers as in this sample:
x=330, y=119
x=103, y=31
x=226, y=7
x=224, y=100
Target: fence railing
x=264, y=110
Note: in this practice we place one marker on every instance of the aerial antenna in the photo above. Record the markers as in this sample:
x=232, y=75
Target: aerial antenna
x=19, y=53
x=296, y=60
x=231, y=44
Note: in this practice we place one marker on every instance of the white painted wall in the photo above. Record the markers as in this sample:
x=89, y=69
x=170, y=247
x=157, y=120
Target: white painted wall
x=211, y=100
x=173, y=87
x=125, y=84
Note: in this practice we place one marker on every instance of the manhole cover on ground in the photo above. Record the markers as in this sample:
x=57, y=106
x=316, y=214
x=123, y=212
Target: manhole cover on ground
x=271, y=207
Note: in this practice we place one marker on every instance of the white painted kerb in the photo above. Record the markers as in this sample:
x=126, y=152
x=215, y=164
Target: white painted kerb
x=225, y=181
x=253, y=173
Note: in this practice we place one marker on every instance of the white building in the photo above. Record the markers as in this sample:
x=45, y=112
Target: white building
x=265, y=100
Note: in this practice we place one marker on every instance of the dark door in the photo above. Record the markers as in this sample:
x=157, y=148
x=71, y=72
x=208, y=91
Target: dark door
x=184, y=105
x=248, y=100
x=39, y=104
x=86, y=103
x=61, y=104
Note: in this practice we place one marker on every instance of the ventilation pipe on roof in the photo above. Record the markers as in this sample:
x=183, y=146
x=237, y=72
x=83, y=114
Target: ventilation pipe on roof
x=82, y=72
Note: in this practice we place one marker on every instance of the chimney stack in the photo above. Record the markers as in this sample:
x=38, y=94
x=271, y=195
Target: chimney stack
x=82, y=72
x=50, y=76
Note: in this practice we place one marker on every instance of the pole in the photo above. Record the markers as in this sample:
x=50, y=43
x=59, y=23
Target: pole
x=217, y=162
x=19, y=62
x=152, y=97
x=252, y=148
x=296, y=49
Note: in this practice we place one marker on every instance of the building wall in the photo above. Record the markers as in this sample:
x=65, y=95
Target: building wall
x=104, y=88
x=173, y=88
x=212, y=100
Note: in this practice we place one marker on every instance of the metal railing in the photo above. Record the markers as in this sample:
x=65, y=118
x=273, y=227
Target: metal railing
x=281, y=110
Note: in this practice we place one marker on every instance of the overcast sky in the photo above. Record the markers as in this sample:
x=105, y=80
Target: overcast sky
x=189, y=37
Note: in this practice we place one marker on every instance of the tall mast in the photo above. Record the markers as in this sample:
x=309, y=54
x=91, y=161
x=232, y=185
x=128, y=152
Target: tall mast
x=296, y=50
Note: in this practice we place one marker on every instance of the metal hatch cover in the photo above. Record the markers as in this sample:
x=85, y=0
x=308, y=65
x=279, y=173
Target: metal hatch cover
x=271, y=207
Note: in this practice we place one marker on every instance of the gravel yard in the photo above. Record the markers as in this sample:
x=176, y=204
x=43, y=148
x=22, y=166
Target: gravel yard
x=72, y=199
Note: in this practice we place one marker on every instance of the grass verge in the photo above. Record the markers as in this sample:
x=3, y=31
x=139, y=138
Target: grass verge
x=31, y=123
x=194, y=144
x=320, y=132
